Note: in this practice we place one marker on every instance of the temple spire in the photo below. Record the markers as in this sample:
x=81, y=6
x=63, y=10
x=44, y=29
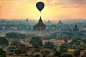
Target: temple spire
x=75, y=25
x=40, y=18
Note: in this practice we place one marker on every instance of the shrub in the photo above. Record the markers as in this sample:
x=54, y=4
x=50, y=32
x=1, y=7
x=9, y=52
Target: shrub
x=11, y=53
x=10, y=49
x=66, y=55
x=26, y=54
x=37, y=55
x=49, y=45
x=57, y=53
x=2, y=53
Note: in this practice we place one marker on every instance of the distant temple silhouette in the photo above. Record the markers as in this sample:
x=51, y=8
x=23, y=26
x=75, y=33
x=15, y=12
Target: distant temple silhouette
x=48, y=21
x=75, y=28
x=59, y=22
x=40, y=25
x=27, y=20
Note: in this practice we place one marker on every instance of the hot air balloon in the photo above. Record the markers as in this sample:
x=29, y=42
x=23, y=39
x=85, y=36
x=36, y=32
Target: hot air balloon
x=40, y=6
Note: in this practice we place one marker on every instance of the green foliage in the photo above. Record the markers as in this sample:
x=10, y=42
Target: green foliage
x=80, y=34
x=76, y=53
x=36, y=50
x=32, y=51
x=11, y=53
x=15, y=35
x=22, y=48
x=31, y=35
x=66, y=55
x=63, y=48
x=65, y=37
x=10, y=49
x=27, y=47
x=4, y=41
x=36, y=45
x=76, y=41
x=57, y=53
x=37, y=55
x=84, y=41
x=73, y=46
x=47, y=37
x=54, y=34
x=54, y=49
x=2, y=53
x=67, y=33
x=84, y=54
x=17, y=51
x=36, y=39
x=45, y=51
x=48, y=45
x=14, y=43
x=66, y=44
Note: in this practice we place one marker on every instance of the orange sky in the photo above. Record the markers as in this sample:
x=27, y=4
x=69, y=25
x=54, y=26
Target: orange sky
x=53, y=10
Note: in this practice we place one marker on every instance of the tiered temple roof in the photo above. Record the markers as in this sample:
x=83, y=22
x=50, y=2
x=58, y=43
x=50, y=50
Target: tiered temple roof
x=40, y=25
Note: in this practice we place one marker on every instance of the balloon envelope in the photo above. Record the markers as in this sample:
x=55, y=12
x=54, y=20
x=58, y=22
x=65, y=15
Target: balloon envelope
x=40, y=6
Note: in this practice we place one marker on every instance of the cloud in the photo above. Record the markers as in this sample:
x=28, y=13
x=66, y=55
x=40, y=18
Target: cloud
x=64, y=2
x=0, y=7
x=70, y=6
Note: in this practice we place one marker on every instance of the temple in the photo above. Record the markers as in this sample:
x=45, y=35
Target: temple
x=75, y=28
x=40, y=25
x=59, y=22
x=48, y=21
x=27, y=20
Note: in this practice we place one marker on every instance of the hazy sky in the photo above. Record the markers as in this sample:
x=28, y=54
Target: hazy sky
x=53, y=10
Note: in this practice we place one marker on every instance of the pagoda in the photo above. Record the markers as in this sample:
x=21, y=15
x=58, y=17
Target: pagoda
x=40, y=25
x=75, y=28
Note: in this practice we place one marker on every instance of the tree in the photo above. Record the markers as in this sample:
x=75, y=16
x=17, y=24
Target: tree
x=10, y=49
x=2, y=53
x=54, y=34
x=17, y=51
x=76, y=52
x=37, y=55
x=15, y=43
x=22, y=48
x=65, y=37
x=4, y=41
x=63, y=48
x=36, y=39
x=75, y=42
x=49, y=45
x=70, y=34
x=84, y=54
x=66, y=44
x=54, y=49
x=44, y=52
x=66, y=55
x=36, y=45
x=15, y=35
x=57, y=53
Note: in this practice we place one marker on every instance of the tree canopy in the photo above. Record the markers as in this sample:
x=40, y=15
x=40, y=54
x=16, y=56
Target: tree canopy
x=63, y=48
x=2, y=53
x=4, y=41
x=70, y=34
x=48, y=45
x=14, y=43
x=35, y=39
x=15, y=35
x=65, y=37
